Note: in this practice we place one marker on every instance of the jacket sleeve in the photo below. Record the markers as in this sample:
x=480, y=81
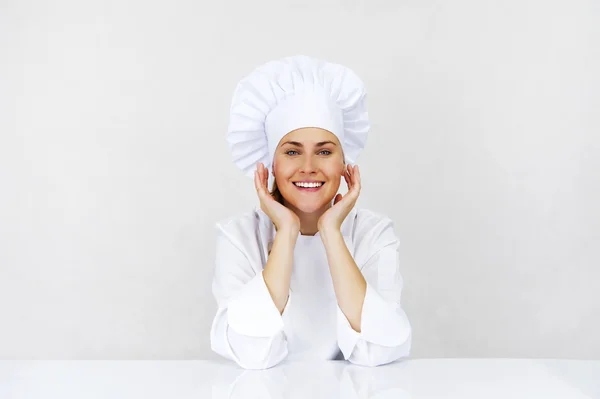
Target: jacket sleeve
x=247, y=327
x=386, y=333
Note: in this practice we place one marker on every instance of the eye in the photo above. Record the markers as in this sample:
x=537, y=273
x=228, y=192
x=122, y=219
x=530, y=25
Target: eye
x=288, y=152
x=327, y=152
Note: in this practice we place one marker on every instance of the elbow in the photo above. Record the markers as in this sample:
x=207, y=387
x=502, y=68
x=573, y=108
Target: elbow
x=248, y=363
x=251, y=358
x=376, y=355
x=249, y=353
x=398, y=353
x=379, y=359
x=261, y=358
x=403, y=351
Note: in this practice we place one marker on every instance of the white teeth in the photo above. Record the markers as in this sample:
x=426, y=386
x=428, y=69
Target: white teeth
x=308, y=185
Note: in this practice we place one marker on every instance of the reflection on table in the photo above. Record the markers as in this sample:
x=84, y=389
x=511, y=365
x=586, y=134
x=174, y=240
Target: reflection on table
x=416, y=378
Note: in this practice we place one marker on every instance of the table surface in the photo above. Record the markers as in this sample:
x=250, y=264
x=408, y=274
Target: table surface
x=198, y=379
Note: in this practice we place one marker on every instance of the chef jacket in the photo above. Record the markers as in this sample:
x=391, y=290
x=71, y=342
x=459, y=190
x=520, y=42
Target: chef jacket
x=249, y=329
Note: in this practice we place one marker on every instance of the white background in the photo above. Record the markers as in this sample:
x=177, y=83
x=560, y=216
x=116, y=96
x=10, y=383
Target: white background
x=484, y=150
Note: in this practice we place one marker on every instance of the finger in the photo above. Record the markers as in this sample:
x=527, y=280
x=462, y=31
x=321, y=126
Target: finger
x=256, y=175
x=347, y=179
x=348, y=169
x=353, y=174
x=257, y=185
x=266, y=179
x=357, y=183
x=350, y=175
x=260, y=187
x=261, y=173
x=350, y=180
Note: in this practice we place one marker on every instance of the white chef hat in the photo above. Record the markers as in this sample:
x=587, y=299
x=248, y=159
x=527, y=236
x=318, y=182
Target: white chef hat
x=291, y=93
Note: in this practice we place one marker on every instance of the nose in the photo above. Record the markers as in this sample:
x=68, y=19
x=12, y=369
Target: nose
x=309, y=165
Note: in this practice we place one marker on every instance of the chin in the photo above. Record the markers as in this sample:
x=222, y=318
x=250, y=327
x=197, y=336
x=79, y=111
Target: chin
x=308, y=203
x=309, y=206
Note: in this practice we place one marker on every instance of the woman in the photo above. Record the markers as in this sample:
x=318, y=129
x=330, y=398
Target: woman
x=305, y=275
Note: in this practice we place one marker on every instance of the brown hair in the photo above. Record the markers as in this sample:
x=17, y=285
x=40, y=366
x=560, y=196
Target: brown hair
x=276, y=193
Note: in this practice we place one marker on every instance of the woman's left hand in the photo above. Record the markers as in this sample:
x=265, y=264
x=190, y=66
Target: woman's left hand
x=332, y=219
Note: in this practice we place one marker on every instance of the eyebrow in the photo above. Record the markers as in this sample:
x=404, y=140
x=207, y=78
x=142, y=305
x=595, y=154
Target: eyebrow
x=298, y=144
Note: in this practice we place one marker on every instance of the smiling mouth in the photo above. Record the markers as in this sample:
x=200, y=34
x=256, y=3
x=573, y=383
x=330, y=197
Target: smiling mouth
x=309, y=186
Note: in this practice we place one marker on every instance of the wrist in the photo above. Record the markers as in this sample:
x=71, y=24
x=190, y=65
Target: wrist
x=288, y=232
x=329, y=231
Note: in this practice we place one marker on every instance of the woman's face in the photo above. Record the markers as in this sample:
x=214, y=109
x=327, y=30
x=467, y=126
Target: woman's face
x=308, y=157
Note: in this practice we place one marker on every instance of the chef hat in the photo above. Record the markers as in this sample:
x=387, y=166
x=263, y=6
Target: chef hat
x=291, y=93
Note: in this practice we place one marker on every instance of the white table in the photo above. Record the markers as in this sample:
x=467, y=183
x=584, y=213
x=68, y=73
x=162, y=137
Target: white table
x=415, y=378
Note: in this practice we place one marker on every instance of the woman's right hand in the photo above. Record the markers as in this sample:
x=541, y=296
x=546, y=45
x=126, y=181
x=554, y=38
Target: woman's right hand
x=282, y=217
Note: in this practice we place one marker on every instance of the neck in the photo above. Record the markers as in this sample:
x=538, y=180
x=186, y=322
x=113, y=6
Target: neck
x=308, y=220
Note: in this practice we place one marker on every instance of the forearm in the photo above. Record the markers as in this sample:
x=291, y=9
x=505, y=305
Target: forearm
x=348, y=282
x=278, y=270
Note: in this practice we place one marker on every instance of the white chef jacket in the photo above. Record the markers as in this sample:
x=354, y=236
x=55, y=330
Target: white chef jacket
x=249, y=329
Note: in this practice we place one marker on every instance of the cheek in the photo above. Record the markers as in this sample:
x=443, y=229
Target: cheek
x=334, y=185
x=282, y=173
x=281, y=165
x=337, y=172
